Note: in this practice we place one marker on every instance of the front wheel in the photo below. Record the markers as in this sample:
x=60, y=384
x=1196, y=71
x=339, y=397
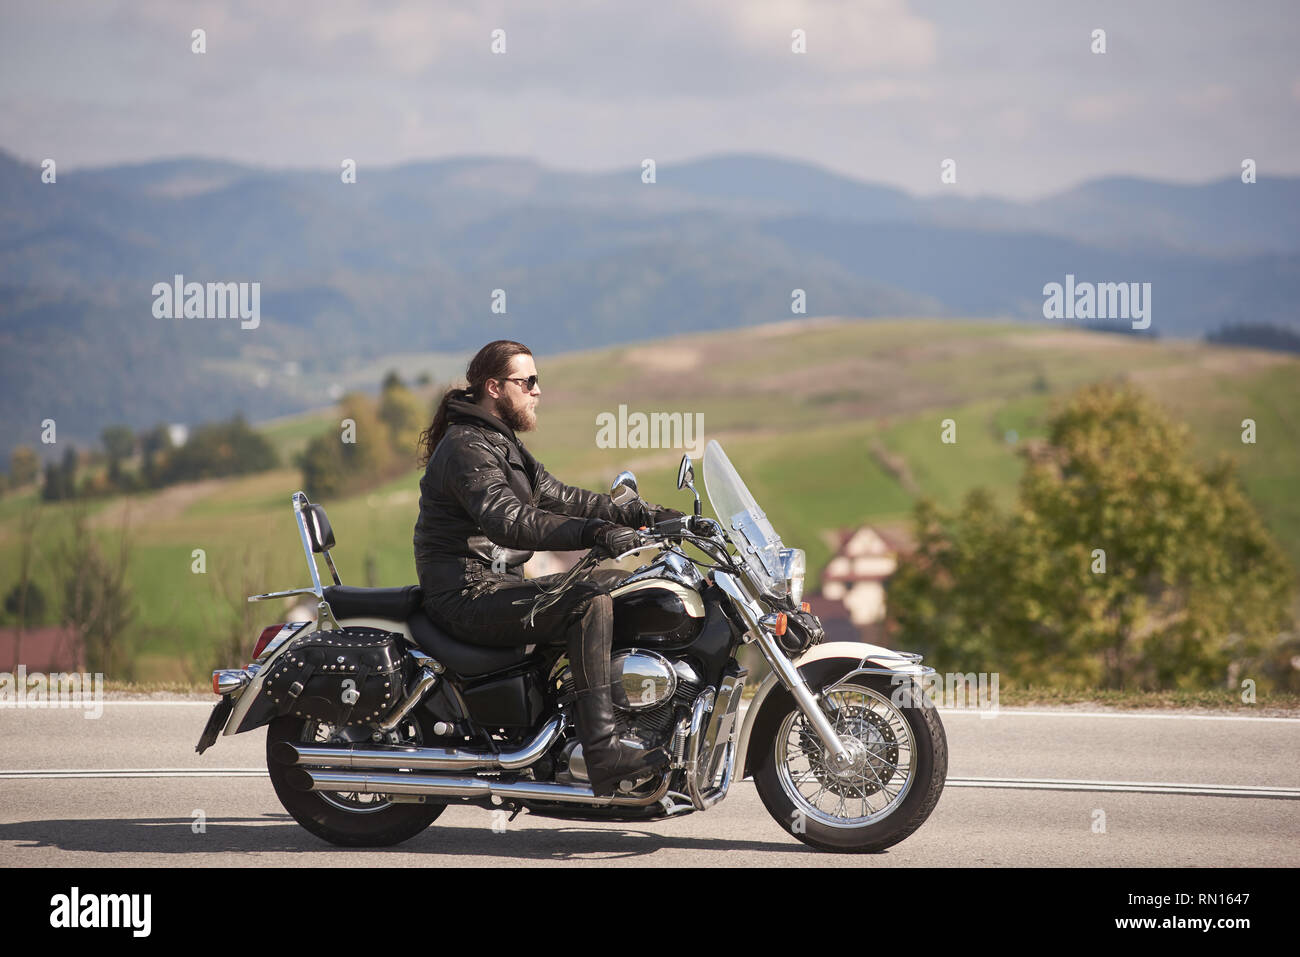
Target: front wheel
x=348, y=820
x=899, y=762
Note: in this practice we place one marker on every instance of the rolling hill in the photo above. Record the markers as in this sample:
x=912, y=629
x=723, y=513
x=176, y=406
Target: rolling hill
x=832, y=423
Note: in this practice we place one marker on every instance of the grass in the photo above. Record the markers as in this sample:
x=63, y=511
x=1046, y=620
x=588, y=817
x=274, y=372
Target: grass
x=1216, y=700
x=1268, y=704
x=813, y=416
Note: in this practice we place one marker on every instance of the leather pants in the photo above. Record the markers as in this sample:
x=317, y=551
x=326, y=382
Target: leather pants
x=487, y=614
x=583, y=619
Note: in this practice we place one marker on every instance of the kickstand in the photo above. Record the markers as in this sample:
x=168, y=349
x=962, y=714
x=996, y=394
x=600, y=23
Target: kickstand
x=519, y=809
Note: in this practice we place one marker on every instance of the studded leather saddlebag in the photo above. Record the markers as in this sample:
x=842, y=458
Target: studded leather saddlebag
x=348, y=677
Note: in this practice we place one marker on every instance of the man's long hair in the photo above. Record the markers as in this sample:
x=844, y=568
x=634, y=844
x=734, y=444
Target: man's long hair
x=490, y=362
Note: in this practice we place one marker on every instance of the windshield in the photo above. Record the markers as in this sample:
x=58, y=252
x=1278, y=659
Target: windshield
x=745, y=523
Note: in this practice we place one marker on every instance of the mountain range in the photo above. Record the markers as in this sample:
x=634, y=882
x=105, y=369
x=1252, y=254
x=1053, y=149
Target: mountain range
x=406, y=260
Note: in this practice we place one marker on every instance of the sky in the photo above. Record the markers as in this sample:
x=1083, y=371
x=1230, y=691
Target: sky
x=885, y=92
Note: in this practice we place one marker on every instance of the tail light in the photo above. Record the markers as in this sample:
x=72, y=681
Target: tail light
x=264, y=639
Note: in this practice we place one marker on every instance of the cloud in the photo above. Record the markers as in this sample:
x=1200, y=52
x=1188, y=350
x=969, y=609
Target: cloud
x=1102, y=107
x=885, y=87
x=842, y=35
x=1206, y=98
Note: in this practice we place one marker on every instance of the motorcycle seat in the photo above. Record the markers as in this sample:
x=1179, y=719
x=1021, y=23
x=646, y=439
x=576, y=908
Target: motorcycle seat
x=462, y=659
x=394, y=604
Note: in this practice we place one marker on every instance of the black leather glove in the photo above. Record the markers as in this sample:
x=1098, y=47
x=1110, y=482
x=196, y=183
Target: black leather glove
x=662, y=515
x=612, y=540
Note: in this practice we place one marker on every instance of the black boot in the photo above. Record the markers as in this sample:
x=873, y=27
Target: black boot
x=608, y=759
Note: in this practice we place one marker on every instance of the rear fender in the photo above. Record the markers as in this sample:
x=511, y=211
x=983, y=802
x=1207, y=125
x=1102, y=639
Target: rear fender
x=852, y=654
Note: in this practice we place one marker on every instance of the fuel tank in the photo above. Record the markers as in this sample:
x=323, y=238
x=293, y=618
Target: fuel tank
x=656, y=613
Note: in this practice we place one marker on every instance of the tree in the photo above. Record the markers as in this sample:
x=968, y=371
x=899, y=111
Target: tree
x=97, y=601
x=400, y=412
x=324, y=472
x=155, y=453
x=218, y=449
x=68, y=474
x=61, y=478
x=1122, y=563
x=236, y=621
x=25, y=601
x=119, y=444
x=370, y=452
x=24, y=466
x=373, y=442
x=52, y=485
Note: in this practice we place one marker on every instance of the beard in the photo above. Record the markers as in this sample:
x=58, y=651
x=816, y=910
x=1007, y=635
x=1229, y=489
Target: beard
x=519, y=417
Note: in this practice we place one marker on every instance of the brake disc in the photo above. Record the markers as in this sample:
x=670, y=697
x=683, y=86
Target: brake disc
x=871, y=741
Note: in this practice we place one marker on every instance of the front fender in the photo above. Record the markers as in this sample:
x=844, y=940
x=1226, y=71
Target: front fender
x=855, y=653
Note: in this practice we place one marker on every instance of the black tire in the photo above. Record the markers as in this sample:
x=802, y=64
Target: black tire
x=929, y=770
x=379, y=827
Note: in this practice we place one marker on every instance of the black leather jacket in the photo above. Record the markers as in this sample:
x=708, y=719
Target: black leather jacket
x=485, y=499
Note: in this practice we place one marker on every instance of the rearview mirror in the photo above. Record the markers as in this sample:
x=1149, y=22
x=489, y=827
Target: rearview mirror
x=686, y=479
x=623, y=489
x=685, y=474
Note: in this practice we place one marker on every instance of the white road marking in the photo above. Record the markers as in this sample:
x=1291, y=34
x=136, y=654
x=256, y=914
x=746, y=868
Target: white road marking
x=1159, y=787
x=943, y=712
x=1025, y=784
x=86, y=704
x=946, y=713
x=74, y=773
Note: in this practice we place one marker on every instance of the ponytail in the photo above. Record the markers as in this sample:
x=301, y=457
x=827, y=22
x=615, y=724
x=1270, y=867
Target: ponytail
x=431, y=436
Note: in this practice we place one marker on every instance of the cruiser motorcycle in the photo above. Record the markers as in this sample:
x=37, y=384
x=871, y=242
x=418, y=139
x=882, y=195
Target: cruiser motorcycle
x=377, y=720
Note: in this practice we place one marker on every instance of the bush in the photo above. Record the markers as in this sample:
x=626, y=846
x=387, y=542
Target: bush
x=1122, y=564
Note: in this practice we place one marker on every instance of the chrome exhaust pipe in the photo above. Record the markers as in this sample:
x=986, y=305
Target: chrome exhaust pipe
x=423, y=683
x=389, y=758
x=437, y=785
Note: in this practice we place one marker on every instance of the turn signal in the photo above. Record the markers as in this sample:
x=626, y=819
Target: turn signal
x=781, y=621
x=804, y=606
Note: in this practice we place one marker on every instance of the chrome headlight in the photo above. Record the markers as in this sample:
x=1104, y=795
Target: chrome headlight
x=793, y=565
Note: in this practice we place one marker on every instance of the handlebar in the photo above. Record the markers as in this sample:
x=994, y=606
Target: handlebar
x=692, y=524
x=661, y=536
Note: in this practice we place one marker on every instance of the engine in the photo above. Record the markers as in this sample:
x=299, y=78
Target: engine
x=646, y=701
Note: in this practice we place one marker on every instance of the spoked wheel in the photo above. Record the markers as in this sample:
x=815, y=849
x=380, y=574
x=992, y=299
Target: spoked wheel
x=347, y=819
x=898, y=763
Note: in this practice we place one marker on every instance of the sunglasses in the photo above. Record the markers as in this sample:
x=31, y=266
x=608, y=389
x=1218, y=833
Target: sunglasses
x=526, y=384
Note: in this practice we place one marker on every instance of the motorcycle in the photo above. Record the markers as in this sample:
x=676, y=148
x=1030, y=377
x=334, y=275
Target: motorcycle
x=377, y=720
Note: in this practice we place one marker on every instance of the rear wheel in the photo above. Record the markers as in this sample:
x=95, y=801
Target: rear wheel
x=347, y=819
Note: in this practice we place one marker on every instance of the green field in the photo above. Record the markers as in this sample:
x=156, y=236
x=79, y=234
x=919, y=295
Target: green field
x=832, y=423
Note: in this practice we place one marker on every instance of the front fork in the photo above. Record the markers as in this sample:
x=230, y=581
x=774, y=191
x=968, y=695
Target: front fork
x=786, y=672
x=790, y=677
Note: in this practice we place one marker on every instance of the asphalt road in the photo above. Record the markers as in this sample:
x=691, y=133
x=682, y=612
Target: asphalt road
x=1027, y=787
